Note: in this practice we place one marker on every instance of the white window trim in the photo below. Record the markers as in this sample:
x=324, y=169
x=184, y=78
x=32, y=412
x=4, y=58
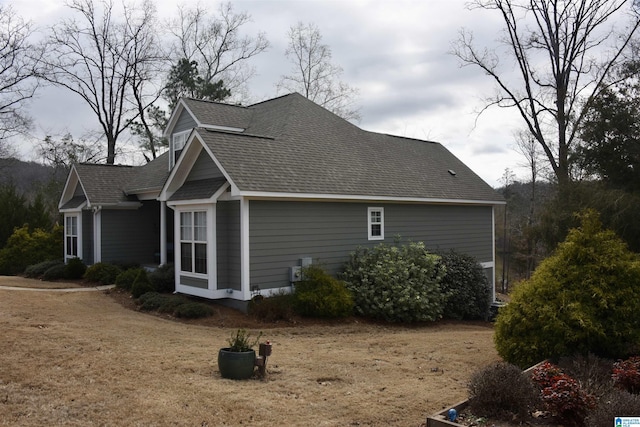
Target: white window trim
x=192, y=241
x=184, y=135
x=369, y=223
x=78, y=217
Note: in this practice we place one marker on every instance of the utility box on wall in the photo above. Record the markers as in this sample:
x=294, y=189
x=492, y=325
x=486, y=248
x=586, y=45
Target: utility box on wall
x=295, y=274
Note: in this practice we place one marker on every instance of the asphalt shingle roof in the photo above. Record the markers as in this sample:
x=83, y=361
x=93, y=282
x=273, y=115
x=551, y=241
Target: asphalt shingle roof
x=104, y=184
x=292, y=145
x=198, y=190
x=151, y=176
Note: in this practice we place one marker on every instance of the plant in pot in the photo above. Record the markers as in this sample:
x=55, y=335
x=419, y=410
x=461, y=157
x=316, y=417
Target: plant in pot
x=237, y=361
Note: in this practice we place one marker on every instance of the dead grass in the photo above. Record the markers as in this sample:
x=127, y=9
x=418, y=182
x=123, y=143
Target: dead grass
x=85, y=359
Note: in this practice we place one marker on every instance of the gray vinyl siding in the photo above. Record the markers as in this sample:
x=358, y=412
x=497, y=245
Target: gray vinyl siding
x=87, y=237
x=228, y=244
x=131, y=236
x=283, y=232
x=204, y=168
x=184, y=122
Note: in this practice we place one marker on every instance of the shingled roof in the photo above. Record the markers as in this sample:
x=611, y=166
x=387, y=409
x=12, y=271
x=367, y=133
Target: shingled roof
x=104, y=184
x=292, y=145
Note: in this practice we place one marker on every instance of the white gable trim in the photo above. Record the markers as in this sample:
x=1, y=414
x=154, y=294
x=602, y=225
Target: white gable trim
x=185, y=163
x=73, y=180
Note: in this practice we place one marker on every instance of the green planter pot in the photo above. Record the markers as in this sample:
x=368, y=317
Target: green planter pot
x=236, y=365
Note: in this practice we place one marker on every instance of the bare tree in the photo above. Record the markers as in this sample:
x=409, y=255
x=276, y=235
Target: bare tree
x=97, y=58
x=562, y=52
x=314, y=75
x=19, y=60
x=216, y=44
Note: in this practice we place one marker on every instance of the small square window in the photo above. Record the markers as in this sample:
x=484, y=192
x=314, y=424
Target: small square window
x=375, y=223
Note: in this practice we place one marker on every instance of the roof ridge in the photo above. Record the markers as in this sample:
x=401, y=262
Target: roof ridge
x=227, y=132
x=216, y=102
x=273, y=99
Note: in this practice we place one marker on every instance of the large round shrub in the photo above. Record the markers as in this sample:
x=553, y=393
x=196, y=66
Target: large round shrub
x=141, y=285
x=74, y=269
x=584, y=298
x=396, y=283
x=125, y=279
x=467, y=290
x=321, y=295
x=163, y=278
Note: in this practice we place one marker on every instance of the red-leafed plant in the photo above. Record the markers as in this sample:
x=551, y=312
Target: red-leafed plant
x=562, y=395
x=626, y=374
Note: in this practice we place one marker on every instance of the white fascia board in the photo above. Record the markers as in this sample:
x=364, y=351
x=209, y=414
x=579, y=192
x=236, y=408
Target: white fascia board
x=67, y=191
x=219, y=165
x=356, y=198
x=176, y=173
x=174, y=118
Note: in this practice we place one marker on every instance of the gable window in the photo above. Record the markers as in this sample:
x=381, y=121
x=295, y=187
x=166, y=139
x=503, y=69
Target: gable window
x=71, y=236
x=375, y=223
x=178, y=142
x=193, y=242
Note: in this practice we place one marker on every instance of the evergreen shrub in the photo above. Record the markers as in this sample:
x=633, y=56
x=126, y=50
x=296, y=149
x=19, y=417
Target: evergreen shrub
x=396, y=283
x=467, y=290
x=141, y=285
x=163, y=278
x=193, y=310
x=319, y=294
x=35, y=271
x=273, y=308
x=26, y=248
x=55, y=272
x=102, y=273
x=125, y=279
x=74, y=269
x=583, y=299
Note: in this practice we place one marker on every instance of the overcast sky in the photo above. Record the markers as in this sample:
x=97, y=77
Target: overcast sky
x=394, y=51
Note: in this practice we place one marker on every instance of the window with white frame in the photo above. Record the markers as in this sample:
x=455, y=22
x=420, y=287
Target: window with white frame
x=193, y=242
x=178, y=142
x=375, y=223
x=71, y=236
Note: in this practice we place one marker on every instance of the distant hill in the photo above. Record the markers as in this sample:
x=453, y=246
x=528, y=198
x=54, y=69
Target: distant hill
x=27, y=175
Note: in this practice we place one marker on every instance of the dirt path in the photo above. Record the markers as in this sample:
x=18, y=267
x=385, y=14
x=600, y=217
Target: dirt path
x=83, y=359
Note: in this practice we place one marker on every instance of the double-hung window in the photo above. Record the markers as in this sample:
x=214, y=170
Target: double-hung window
x=193, y=242
x=71, y=236
x=375, y=223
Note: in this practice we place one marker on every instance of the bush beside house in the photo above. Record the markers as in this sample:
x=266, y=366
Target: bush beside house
x=582, y=299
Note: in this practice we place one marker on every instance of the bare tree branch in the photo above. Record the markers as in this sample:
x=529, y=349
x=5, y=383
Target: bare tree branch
x=563, y=51
x=314, y=75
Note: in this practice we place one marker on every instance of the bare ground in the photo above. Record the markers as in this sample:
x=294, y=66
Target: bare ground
x=90, y=359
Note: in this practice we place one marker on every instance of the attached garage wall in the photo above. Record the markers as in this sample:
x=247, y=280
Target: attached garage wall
x=283, y=232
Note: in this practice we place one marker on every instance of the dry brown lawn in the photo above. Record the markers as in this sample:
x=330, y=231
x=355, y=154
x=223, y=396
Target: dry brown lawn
x=88, y=359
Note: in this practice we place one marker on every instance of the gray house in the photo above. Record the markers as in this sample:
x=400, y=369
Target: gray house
x=246, y=195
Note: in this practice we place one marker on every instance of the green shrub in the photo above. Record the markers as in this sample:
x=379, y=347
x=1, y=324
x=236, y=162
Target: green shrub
x=272, y=309
x=54, y=273
x=162, y=303
x=37, y=270
x=26, y=248
x=141, y=285
x=467, y=290
x=102, y=273
x=75, y=269
x=319, y=294
x=163, y=278
x=502, y=391
x=125, y=279
x=396, y=283
x=582, y=299
x=193, y=310
x=617, y=403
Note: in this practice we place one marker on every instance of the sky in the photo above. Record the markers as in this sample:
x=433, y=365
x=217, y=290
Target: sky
x=396, y=52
